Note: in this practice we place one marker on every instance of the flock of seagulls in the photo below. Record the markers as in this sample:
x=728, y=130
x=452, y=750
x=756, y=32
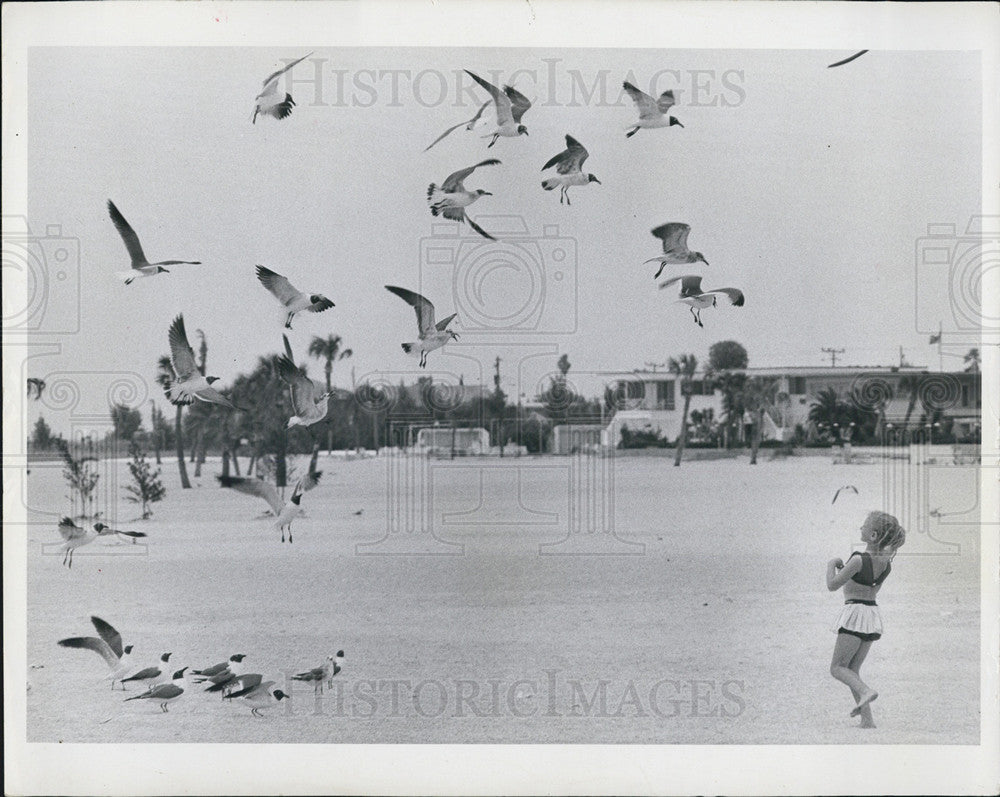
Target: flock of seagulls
x=227, y=678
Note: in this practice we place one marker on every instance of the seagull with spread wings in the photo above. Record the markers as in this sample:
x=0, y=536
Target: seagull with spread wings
x=189, y=383
x=694, y=297
x=431, y=336
x=569, y=166
x=850, y=488
x=291, y=298
x=284, y=512
x=309, y=407
x=108, y=645
x=74, y=537
x=140, y=266
x=652, y=113
x=510, y=105
x=674, y=235
x=451, y=199
x=270, y=102
x=470, y=124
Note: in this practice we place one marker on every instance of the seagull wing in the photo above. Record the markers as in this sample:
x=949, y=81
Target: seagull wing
x=442, y=325
x=164, y=691
x=142, y=675
x=849, y=487
x=181, y=353
x=99, y=646
x=423, y=307
x=128, y=236
x=734, y=294
x=455, y=214
x=454, y=181
x=571, y=159
x=665, y=102
x=212, y=396
x=256, y=487
x=648, y=108
x=674, y=235
x=69, y=530
x=479, y=229
x=306, y=483
x=518, y=102
x=108, y=633
x=300, y=386
x=690, y=284
x=277, y=285
x=505, y=113
x=282, y=71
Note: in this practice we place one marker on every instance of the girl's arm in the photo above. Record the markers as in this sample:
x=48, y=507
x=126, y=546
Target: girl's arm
x=838, y=574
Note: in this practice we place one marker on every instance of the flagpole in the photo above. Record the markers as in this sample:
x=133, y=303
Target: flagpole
x=940, y=353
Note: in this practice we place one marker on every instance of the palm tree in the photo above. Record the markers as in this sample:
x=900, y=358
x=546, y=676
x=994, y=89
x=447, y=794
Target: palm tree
x=328, y=349
x=164, y=376
x=683, y=368
x=758, y=394
x=972, y=361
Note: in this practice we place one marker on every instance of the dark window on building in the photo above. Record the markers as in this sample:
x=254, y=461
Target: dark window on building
x=665, y=395
x=796, y=385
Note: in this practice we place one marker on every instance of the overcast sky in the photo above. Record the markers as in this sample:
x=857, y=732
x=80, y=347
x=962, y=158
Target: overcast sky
x=808, y=188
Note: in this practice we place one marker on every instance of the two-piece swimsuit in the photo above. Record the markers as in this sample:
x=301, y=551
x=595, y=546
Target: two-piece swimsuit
x=859, y=617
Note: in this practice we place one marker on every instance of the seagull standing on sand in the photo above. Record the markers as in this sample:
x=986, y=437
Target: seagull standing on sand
x=451, y=199
x=285, y=513
x=652, y=113
x=510, y=106
x=293, y=300
x=569, y=166
x=150, y=676
x=270, y=102
x=260, y=697
x=697, y=299
x=100, y=528
x=324, y=672
x=108, y=646
x=164, y=693
x=75, y=537
x=140, y=266
x=189, y=383
x=431, y=336
x=674, y=235
x=230, y=666
x=469, y=125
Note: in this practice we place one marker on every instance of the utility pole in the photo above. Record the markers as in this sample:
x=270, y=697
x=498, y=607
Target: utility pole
x=654, y=366
x=833, y=355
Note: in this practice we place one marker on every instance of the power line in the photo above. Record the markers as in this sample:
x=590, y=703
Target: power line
x=833, y=355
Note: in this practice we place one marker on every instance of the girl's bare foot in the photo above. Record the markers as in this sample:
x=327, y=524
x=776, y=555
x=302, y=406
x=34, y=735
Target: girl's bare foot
x=866, y=698
x=866, y=724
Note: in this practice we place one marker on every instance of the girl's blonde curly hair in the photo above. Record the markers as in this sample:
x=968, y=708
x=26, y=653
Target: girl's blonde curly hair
x=889, y=535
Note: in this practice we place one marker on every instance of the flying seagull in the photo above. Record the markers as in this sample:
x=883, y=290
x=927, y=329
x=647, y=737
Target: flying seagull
x=431, y=336
x=35, y=387
x=697, y=299
x=451, y=199
x=164, y=693
x=100, y=528
x=189, y=384
x=569, y=165
x=285, y=513
x=292, y=299
x=108, y=645
x=140, y=266
x=674, y=235
x=270, y=102
x=325, y=672
x=847, y=60
x=308, y=407
x=469, y=124
x=510, y=106
x=259, y=697
x=652, y=113
x=75, y=537
x=848, y=488
x=150, y=676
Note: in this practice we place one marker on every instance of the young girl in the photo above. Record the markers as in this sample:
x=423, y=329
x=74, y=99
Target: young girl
x=860, y=623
